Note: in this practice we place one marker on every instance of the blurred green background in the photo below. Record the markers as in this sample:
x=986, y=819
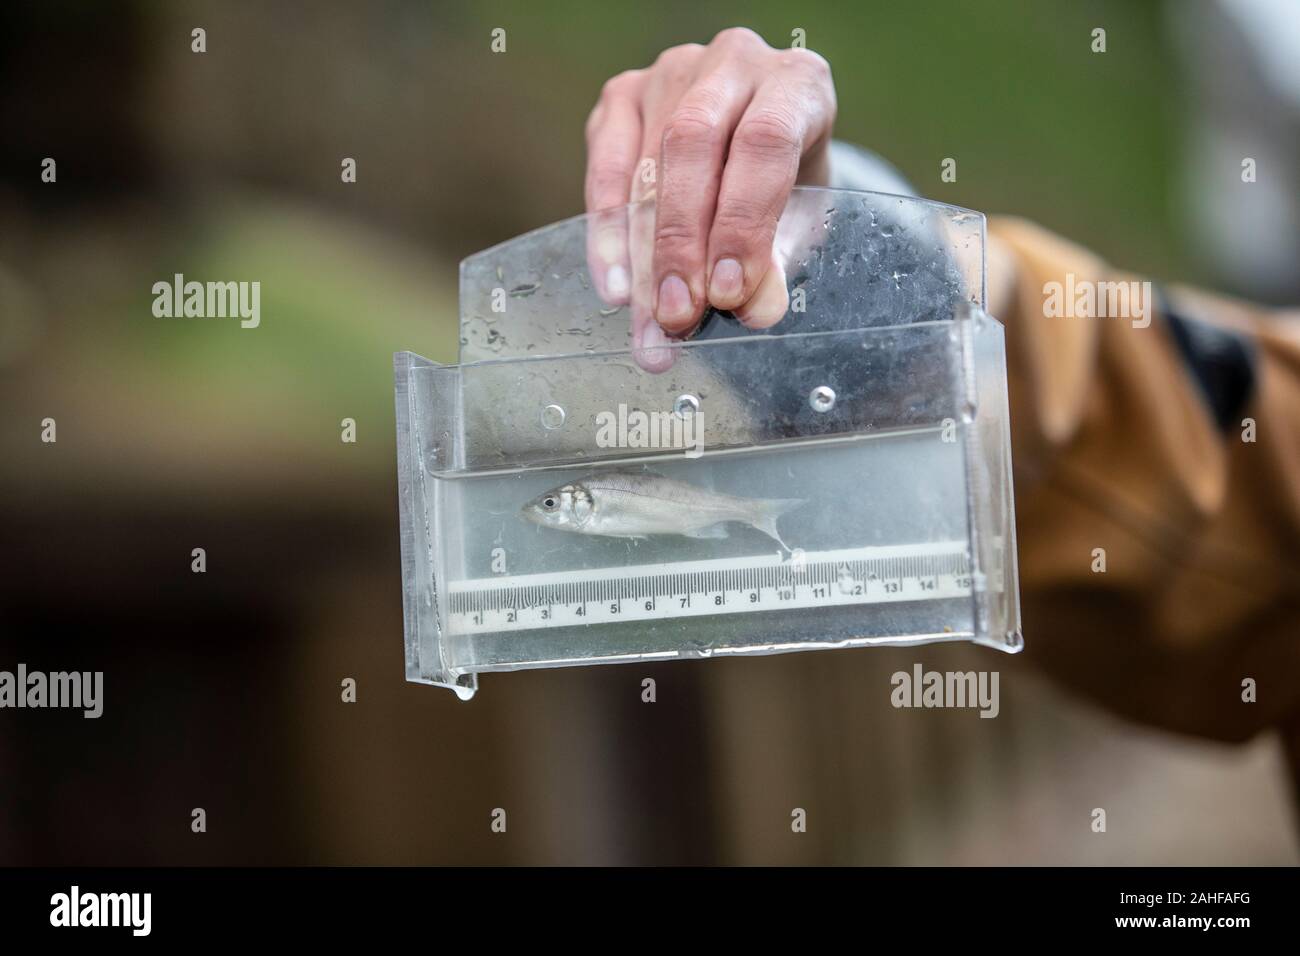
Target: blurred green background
x=227, y=163
x=174, y=434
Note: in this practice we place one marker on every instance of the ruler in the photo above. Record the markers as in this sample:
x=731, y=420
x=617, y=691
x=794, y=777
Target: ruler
x=875, y=575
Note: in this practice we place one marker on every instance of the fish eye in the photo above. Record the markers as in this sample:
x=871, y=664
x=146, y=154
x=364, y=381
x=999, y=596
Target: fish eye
x=548, y=503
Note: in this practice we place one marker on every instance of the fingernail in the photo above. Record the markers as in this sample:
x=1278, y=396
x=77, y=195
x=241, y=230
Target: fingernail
x=652, y=337
x=674, y=301
x=653, y=353
x=610, y=245
x=616, y=282
x=727, y=282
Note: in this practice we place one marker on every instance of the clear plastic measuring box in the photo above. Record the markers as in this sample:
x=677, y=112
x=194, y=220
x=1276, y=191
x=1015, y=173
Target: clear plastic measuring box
x=876, y=410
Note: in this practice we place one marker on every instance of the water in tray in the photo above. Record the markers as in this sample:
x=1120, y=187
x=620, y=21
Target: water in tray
x=883, y=524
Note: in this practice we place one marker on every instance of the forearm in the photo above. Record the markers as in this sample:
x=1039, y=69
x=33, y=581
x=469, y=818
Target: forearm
x=1159, y=531
x=1134, y=445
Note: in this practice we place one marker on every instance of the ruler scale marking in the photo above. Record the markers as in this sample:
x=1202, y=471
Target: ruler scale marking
x=862, y=576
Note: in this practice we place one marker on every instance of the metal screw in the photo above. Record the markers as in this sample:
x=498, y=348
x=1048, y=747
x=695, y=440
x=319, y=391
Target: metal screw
x=822, y=398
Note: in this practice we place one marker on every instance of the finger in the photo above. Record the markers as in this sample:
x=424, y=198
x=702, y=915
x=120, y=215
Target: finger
x=693, y=150
x=613, y=142
x=650, y=346
x=666, y=83
x=768, y=305
x=669, y=79
x=648, y=339
x=781, y=123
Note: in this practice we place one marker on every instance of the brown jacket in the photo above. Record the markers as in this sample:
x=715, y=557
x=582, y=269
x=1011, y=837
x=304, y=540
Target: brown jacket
x=1135, y=440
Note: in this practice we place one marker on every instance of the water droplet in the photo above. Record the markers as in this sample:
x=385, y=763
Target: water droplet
x=552, y=417
x=686, y=404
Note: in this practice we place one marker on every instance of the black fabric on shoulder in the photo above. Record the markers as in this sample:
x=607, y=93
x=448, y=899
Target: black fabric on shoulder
x=1222, y=361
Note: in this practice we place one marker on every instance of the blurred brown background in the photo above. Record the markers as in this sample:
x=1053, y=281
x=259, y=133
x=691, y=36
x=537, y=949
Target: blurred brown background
x=223, y=689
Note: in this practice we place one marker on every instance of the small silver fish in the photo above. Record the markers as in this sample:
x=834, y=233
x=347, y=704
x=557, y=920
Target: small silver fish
x=633, y=505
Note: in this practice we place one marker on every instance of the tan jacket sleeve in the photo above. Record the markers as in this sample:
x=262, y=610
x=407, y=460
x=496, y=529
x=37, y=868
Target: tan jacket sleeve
x=1119, y=456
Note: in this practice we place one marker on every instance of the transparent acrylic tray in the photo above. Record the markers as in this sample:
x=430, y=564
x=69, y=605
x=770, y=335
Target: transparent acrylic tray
x=841, y=479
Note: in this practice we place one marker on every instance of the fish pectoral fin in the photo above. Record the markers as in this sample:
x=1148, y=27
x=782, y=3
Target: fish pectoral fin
x=718, y=530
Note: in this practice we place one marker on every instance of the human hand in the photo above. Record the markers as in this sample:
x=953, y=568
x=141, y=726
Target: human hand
x=718, y=135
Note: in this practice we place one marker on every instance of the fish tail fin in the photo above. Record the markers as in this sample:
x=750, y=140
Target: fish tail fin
x=766, y=513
